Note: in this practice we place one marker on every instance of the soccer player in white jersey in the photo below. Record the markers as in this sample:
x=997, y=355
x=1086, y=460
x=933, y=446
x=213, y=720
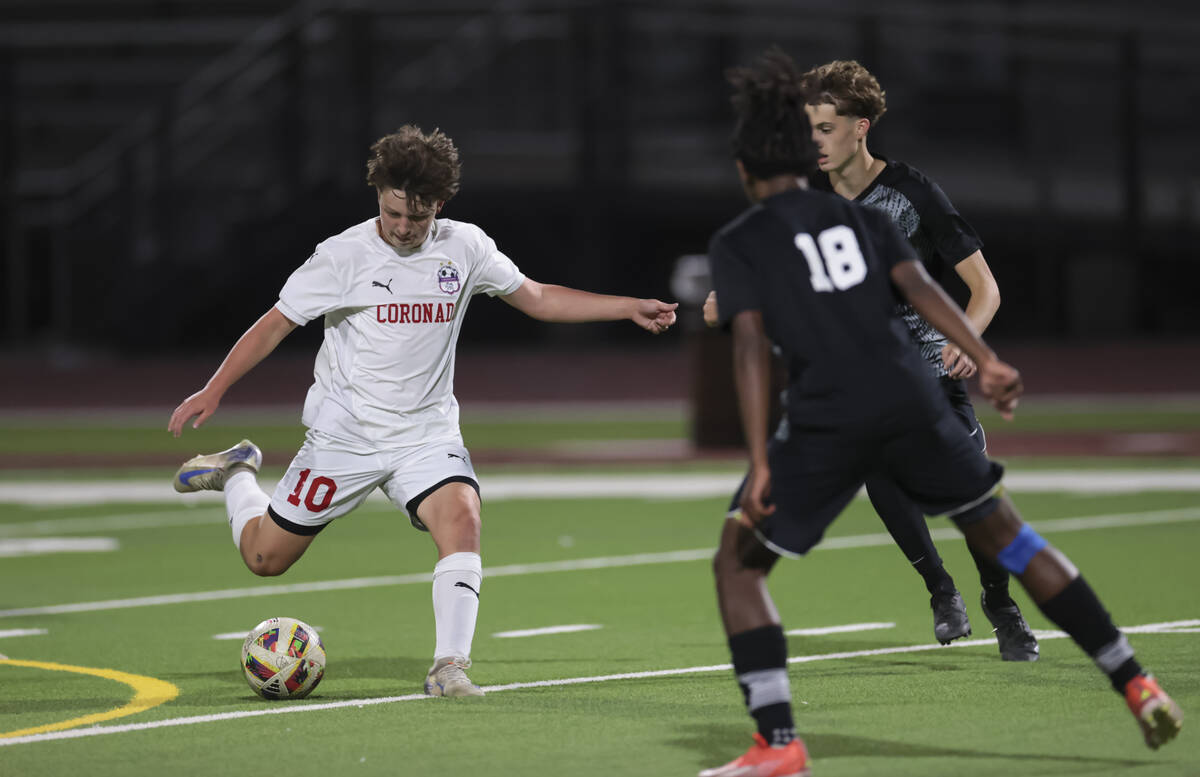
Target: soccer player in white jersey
x=381, y=412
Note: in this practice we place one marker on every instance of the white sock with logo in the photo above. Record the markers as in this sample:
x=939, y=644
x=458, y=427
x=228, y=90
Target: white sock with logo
x=244, y=501
x=456, y=581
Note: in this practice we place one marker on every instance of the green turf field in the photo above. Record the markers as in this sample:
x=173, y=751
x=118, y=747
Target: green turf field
x=637, y=568
x=123, y=637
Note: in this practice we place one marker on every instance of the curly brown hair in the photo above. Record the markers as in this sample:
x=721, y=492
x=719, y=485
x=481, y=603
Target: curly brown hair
x=424, y=166
x=848, y=87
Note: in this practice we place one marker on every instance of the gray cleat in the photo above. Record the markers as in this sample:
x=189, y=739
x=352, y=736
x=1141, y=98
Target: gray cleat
x=949, y=617
x=447, y=678
x=209, y=472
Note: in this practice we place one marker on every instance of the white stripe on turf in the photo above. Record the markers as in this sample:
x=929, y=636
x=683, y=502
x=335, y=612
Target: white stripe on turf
x=687, y=485
x=849, y=627
x=119, y=522
x=603, y=562
x=22, y=632
x=296, y=707
x=38, y=547
x=546, y=630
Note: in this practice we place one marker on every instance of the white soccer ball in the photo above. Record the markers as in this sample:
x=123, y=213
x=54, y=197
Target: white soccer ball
x=283, y=658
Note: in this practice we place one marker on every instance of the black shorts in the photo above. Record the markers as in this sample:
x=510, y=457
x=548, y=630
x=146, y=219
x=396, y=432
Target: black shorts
x=960, y=402
x=816, y=472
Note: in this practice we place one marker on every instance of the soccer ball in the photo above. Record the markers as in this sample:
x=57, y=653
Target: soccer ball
x=283, y=658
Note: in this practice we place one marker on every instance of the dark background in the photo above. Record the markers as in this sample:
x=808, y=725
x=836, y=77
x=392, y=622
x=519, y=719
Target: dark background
x=165, y=165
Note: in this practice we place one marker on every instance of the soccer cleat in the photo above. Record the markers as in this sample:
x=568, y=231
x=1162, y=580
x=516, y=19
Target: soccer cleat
x=1013, y=634
x=209, y=473
x=762, y=760
x=447, y=678
x=1157, y=714
x=949, y=616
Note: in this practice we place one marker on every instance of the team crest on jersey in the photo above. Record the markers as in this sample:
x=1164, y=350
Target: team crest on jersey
x=447, y=277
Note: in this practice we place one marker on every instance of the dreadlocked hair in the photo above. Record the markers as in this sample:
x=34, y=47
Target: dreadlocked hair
x=771, y=135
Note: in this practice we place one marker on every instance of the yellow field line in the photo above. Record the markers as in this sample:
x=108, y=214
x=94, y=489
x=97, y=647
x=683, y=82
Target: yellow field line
x=149, y=693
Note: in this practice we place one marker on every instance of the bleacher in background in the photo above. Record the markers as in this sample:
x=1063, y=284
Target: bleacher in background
x=164, y=165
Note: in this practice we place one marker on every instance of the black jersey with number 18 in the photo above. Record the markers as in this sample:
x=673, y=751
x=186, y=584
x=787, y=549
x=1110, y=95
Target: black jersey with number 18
x=816, y=266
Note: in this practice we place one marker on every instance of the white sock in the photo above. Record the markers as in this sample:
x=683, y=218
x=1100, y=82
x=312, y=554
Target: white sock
x=244, y=501
x=456, y=580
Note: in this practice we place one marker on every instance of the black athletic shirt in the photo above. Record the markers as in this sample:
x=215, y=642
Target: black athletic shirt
x=817, y=267
x=940, y=236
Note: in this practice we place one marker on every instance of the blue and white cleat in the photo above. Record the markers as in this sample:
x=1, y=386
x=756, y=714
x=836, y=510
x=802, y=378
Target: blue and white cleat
x=208, y=473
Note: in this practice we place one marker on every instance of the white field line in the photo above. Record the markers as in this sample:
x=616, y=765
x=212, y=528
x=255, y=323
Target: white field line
x=118, y=522
x=22, y=633
x=1170, y=627
x=547, y=630
x=499, y=489
x=688, y=485
x=38, y=547
x=602, y=562
x=849, y=627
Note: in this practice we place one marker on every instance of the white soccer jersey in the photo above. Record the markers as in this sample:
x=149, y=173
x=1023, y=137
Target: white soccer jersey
x=384, y=375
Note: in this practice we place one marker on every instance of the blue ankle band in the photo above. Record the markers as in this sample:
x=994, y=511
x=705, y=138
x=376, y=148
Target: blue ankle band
x=1024, y=547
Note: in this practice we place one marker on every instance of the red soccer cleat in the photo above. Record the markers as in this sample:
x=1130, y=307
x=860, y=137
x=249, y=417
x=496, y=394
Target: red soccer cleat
x=1157, y=714
x=762, y=760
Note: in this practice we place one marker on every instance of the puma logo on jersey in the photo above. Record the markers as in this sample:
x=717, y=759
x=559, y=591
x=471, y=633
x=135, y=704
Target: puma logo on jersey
x=455, y=456
x=387, y=285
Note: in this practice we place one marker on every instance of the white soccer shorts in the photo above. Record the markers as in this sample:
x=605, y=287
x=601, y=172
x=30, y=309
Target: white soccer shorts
x=326, y=480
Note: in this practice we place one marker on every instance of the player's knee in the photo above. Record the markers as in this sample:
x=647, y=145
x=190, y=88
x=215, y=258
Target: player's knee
x=724, y=562
x=741, y=554
x=990, y=530
x=455, y=530
x=464, y=523
x=267, y=564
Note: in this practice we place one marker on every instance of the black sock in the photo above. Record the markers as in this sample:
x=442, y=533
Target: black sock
x=906, y=523
x=994, y=579
x=1077, y=611
x=937, y=579
x=760, y=663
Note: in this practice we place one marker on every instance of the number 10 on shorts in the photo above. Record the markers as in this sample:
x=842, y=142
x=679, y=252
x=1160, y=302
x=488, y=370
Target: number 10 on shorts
x=320, y=492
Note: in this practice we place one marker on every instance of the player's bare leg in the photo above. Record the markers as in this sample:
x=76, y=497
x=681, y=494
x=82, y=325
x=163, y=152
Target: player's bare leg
x=1056, y=586
x=268, y=549
x=759, y=651
x=452, y=516
x=740, y=568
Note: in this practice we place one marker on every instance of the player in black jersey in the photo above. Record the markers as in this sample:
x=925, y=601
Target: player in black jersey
x=818, y=276
x=844, y=102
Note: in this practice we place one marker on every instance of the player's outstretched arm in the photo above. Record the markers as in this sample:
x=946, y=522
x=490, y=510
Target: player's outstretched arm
x=999, y=382
x=752, y=376
x=565, y=305
x=251, y=348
